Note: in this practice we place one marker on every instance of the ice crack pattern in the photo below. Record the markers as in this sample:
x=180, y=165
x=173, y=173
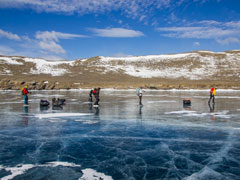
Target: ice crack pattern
x=120, y=140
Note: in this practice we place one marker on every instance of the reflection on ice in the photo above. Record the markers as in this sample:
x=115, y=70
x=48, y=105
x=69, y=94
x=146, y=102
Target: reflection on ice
x=120, y=139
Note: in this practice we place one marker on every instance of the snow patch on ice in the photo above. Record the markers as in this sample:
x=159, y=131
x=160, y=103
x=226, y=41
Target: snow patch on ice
x=10, y=102
x=87, y=103
x=54, y=115
x=22, y=168
x=221, y=114
x=228, y=97
x=88, y=174
x=49, y=95
x=87, y=121
x=205, y=173
x=161, y=101
x=91, y=174
x=59, y=163
x=18, y=170
x=180, y=112
x=57, y=120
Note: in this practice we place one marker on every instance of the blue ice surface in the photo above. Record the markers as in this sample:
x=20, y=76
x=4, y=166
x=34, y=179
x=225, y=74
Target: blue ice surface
x=120, y=140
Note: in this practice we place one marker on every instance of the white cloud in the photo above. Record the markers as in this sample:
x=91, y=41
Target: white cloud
x=228, y=40
x=173, y=17
x=130, y=8
x=117, y=32
x=233, y=24
x=196, y=32
x=142, y=17
x=52, y=46
x=222, y=32
x=55, y=36
x=208, y=22
x=52, y=57
x=196, y=44
x=9, y=35
x=122, y=55
x=49, y=39
x=4, y=50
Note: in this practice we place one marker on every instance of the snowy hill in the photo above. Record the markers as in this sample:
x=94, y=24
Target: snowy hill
x=161, y=71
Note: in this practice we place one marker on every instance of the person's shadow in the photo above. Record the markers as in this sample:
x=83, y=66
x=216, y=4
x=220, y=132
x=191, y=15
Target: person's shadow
x=140, y=111
x=211, y=107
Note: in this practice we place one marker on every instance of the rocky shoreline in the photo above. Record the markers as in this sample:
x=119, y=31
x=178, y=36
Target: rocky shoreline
x=9, y=84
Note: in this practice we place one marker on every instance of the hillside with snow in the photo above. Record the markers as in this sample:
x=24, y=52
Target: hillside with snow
x=200, y=69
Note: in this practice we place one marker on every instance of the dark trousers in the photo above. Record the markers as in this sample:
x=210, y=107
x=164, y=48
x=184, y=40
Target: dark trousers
x=212, y=97
x=140, y=99
x=97, y=100
x=90, y=99
x=25, y=99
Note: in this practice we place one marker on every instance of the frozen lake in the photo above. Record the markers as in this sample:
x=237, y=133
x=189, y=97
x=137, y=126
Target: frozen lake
x=120, y=140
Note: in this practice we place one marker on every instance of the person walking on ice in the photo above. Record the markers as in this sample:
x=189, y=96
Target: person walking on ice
x=90, y=95
x=96, y=93
x=212, y=95
x=140, y=94
x=25, y=93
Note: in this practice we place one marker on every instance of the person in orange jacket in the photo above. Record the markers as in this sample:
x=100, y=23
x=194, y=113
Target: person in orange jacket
x=25, y=93
x=212, y=95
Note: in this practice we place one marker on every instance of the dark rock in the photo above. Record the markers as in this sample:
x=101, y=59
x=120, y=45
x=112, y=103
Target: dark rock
x=42, y=86
x=34, y=83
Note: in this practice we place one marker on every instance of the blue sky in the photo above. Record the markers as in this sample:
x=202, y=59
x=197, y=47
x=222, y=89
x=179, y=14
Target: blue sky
x=72, y=29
